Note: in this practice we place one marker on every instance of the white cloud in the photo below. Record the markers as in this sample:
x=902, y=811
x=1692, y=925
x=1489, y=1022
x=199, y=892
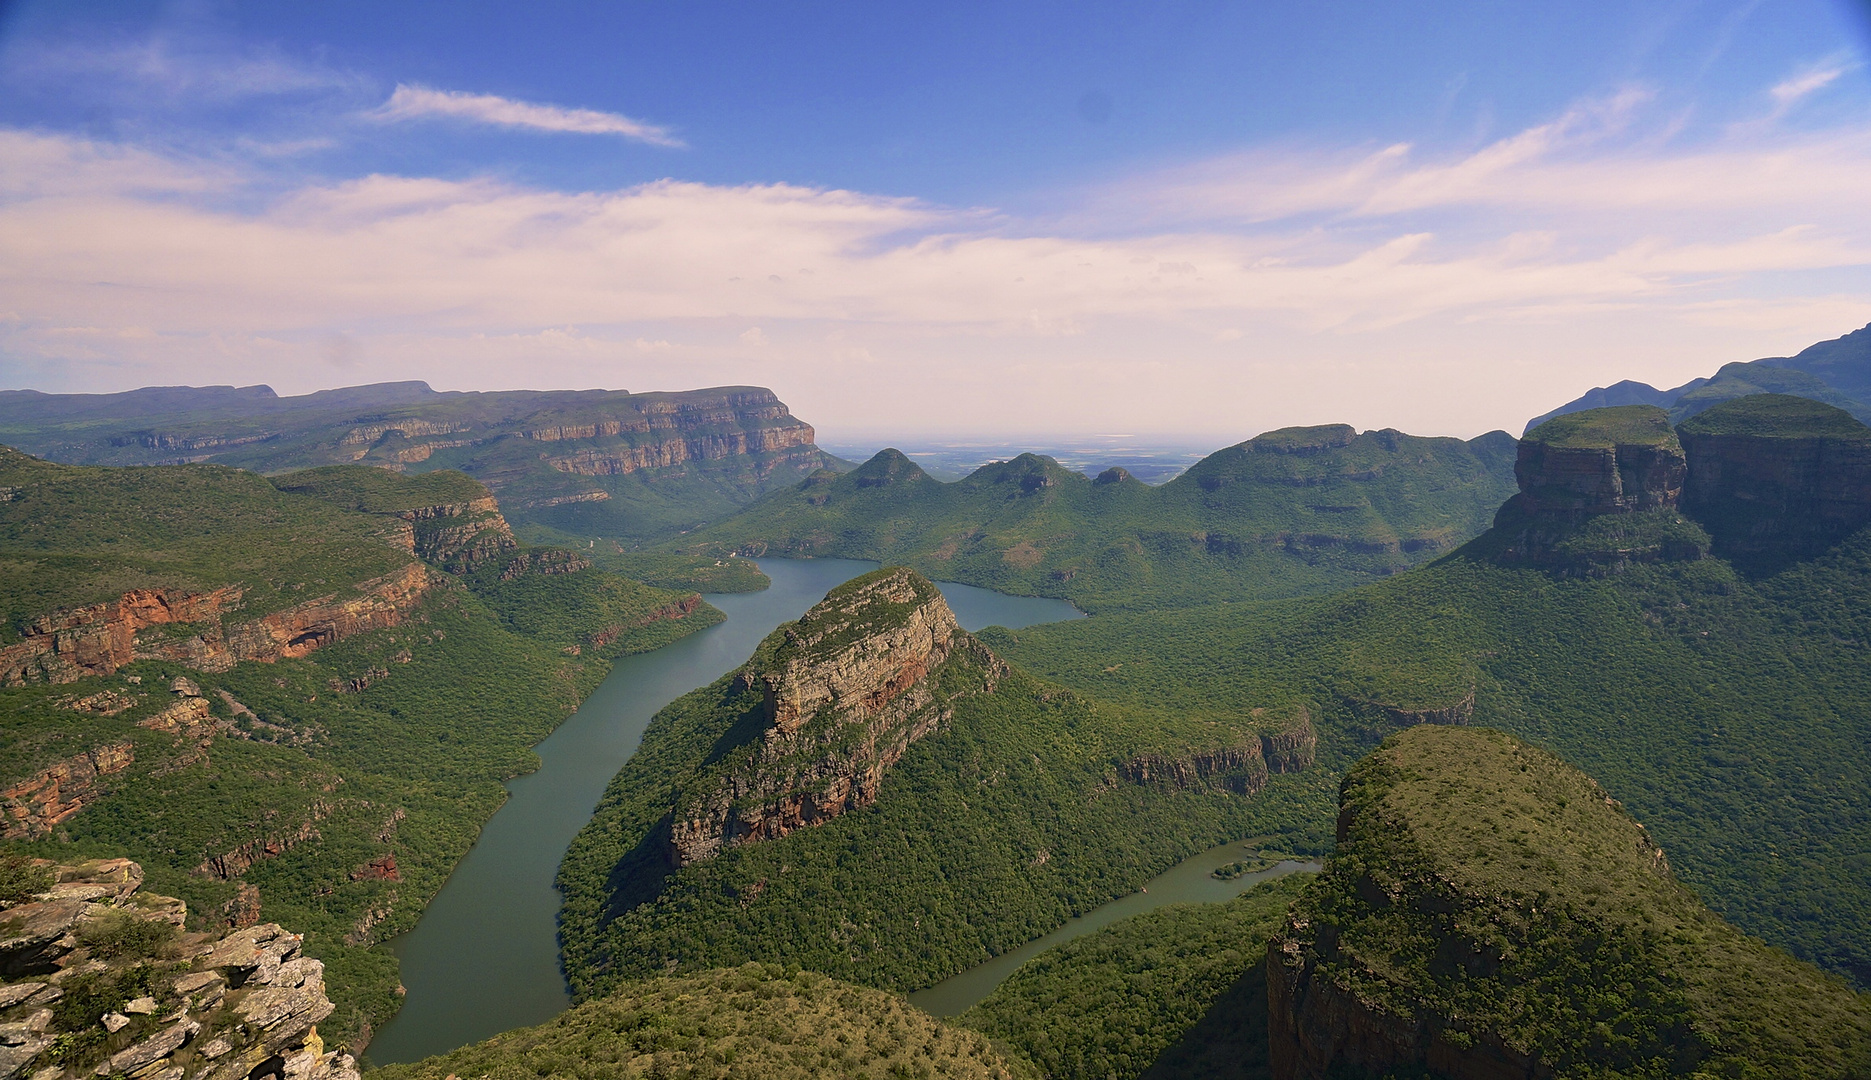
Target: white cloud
x=410, y=102
x=1295, y=287
x=1818, y=77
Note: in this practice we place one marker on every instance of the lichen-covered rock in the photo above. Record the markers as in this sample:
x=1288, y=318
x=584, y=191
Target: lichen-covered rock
x=845, y=691
x=170, y=1005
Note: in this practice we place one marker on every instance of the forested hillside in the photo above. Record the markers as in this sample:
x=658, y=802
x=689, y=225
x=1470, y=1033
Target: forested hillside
x=585, y=463
x=1295, y=511
x=1019, y=805
x=1729, y=708
x=293, y=703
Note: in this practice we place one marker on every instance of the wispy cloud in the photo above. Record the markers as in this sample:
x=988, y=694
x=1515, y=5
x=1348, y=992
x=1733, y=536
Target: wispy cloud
x=1814, y=78
x=410, y=102
x=1295, y=286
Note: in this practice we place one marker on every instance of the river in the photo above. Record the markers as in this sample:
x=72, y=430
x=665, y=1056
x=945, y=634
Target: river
x=485, y=956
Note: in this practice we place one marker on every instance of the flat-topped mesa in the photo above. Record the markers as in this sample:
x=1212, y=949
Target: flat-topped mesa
x=1771, y=474
x=844, y=692
x=1601, y=461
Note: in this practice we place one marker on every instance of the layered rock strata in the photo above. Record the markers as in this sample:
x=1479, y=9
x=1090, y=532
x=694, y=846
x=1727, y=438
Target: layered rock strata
x=238, y=1006
x=844, y=692
x=1773, y=474
x=66, y=646
x=42, y=802
x=459, y=537
x=1602, y=461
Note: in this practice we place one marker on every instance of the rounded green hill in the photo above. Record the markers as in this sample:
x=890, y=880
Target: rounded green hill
x=1777, y=416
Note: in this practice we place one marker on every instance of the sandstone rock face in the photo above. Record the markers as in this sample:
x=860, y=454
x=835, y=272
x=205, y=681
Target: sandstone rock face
x=845, y=691
x=622, y=460
x=1240, y=769
x=460, y=536
x=1292, y=745
x=1601, y=461
x=252, y=990
x=35, y=806
x=1771, y=474
x=66, y=646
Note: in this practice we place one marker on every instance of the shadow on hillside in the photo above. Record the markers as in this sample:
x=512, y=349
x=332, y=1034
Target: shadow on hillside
x=1229, y=1042
x=641, y=875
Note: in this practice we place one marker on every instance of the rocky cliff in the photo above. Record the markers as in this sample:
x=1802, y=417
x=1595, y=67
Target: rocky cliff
x=1771, y=474
x=102, y=980
x=845, y=691
x=65, y=646
x=1491, y=913
x=1601, y=461
x=1599, y=491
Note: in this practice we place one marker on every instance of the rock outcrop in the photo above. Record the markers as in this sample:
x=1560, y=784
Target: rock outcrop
x=97, y=639
x=1490, y=913
x=1771, y=474
x=1599, y=492
x=1601, y=461
x=460, y=537
x=42, y=802
x=162, y=1004
x=844, y=692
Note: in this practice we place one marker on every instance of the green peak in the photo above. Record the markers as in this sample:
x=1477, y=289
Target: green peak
x=1620, y=425
x=1294, y=440
x=887, y=466
x=1776, y=416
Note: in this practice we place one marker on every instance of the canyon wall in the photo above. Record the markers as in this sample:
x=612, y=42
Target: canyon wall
x=844, y=691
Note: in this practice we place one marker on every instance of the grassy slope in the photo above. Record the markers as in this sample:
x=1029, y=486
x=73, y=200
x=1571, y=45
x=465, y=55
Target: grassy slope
x=755, y=1022
x=1730, y=714
x=1175, y=992
x=986, y=835
x=411, y=763
x=72, y=536
x=1573, y=945
x=1295, y=511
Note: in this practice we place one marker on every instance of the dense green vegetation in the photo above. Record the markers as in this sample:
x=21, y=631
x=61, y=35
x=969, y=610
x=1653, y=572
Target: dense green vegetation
x=1300, y=510
x=392, y=742
x=756, y=1022
x=1176, y=992
x=72, y=536
x=1729, y=713
x=1779, y=416
x=1489, y=885
x=1624, y=425
x=1010, y=820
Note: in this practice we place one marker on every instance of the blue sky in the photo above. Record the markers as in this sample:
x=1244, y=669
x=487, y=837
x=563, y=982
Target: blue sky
x=1194, y=219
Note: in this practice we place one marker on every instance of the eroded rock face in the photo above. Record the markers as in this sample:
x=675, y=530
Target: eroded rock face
x=460, y=537
x=66, y=646
x=35, y=806
x=1601, y=461
x=1773, y=474
x=844, y=692
x=225, y=1007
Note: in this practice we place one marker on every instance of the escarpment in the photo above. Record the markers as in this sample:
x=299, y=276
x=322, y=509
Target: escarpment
x=104, y=981
x=844, y=691
x=1490, y=912
x=1770, y=473
x=1763, y=476
x=69, y=645
x=1603, y=461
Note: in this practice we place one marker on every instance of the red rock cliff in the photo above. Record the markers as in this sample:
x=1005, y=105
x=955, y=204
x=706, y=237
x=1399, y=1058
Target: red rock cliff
x=66, y=646
x=844, y=692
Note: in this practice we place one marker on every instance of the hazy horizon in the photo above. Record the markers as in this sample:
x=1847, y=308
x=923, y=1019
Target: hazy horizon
x=938, y=221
